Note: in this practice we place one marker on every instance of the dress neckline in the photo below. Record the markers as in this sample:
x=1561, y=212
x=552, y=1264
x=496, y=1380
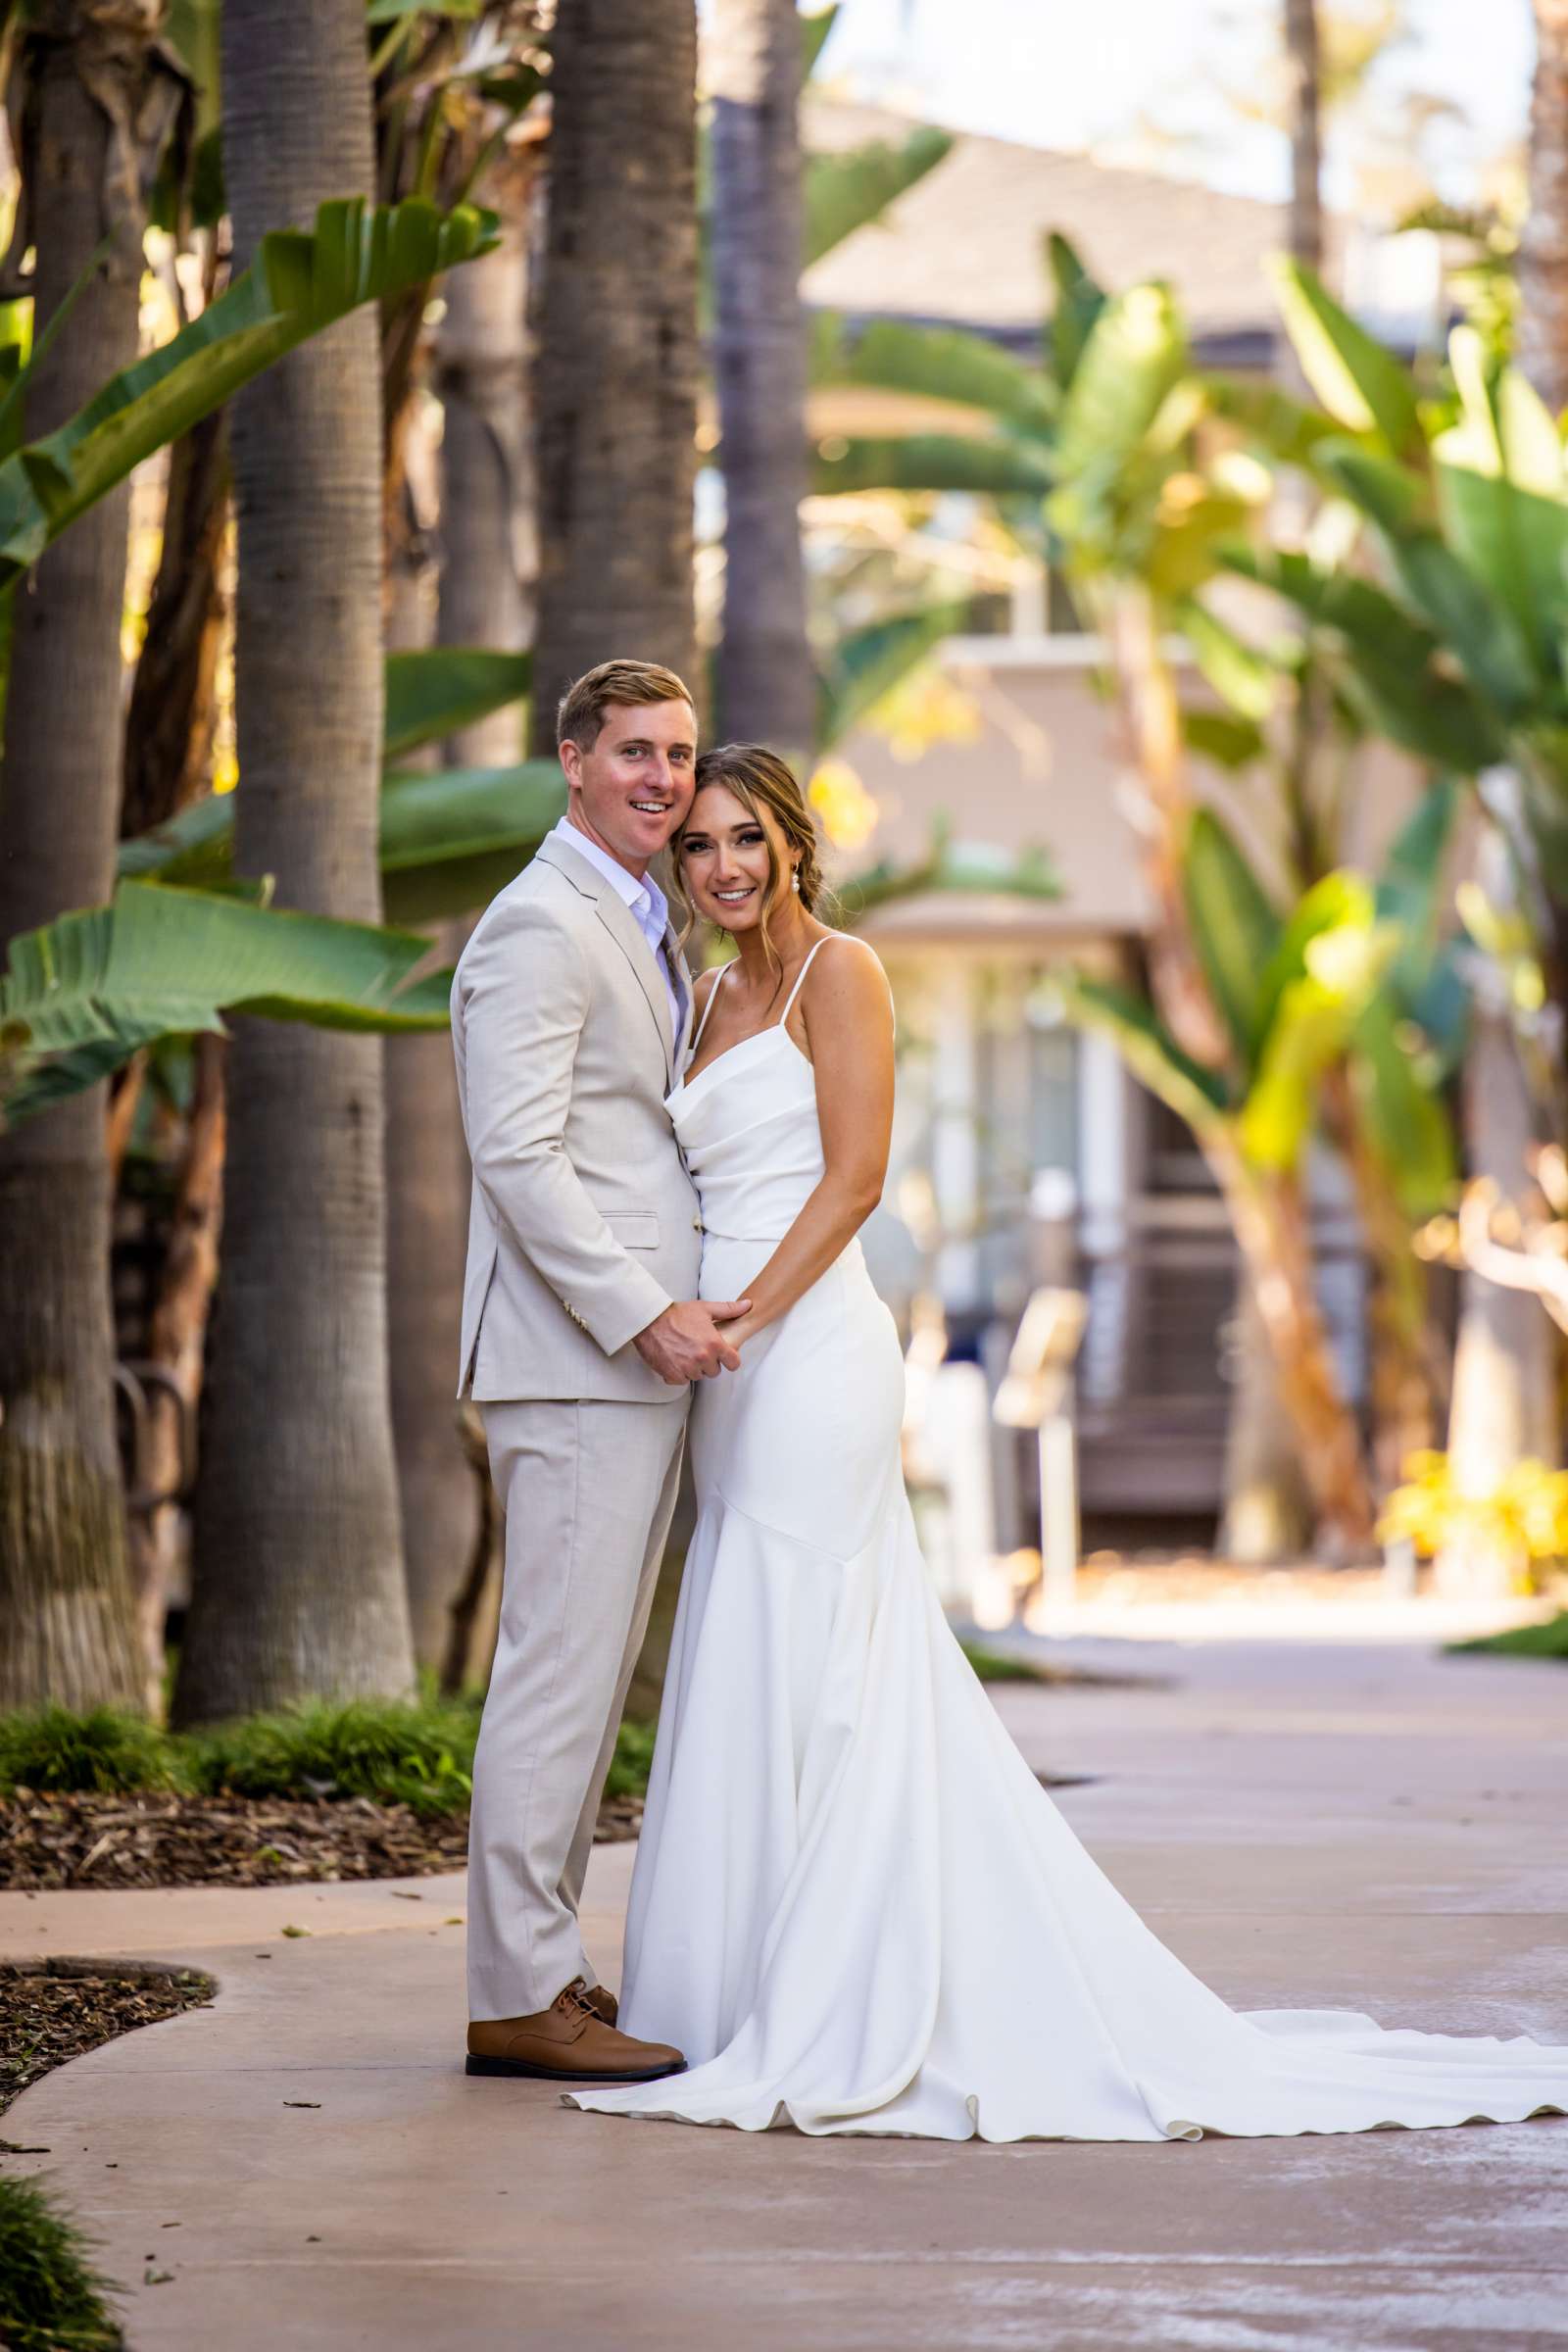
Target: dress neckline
x=768, y=1029
x=774, y=1029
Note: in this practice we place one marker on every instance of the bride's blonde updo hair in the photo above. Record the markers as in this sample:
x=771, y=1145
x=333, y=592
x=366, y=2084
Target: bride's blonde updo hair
x=760, y=780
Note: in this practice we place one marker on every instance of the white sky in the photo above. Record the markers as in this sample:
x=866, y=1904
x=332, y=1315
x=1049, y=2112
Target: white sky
x=1075, y=73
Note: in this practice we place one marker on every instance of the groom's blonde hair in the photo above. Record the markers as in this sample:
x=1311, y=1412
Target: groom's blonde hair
x=626, y=684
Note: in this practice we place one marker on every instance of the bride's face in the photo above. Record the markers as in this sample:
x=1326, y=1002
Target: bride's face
x=725, y=861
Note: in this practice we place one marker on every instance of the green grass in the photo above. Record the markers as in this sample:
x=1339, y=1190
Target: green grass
x=1001, y=1665
x=1547, y=1641
x=629, y=1765
x=106, y=1751
x=419, y=1753
x=52, y=2299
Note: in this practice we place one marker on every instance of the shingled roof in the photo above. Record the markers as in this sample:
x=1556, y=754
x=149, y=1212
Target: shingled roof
x=964, y=245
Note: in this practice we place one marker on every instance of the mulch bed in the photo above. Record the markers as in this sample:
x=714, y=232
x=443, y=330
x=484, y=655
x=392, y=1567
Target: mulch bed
x=49, y=1840
x=52, y=2010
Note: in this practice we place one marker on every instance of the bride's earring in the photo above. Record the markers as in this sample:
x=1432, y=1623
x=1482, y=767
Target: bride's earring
x=795, y=878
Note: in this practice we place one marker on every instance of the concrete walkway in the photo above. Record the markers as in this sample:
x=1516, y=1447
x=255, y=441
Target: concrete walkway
x=1365, y=1826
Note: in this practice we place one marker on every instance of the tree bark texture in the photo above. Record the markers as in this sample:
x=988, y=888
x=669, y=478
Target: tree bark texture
x=1304, y=79
x=766, y=684
x=174, y=709
x=1504, y=1408
x=486, y=536
x=65, y=1588
x=1269, y=1216
x=1267, y=1517
x=1542, y=266
x=618, y=377
x=298, y=1584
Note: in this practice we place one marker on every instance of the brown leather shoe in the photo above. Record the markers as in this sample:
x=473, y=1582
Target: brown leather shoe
x=567, y=2042
x=599, y=1997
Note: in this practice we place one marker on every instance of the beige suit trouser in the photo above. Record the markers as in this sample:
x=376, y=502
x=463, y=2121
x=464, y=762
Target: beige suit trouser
x=588, y=1489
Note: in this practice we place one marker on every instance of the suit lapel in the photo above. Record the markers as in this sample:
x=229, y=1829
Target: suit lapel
x=627, y=932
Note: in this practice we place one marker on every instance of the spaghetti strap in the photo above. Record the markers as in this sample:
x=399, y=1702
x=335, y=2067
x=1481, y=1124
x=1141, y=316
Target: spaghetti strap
x=801, y=975
x=805, y=968
x=708, y=1008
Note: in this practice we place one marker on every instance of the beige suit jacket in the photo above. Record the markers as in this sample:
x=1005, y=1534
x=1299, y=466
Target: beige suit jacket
x=583, y=1224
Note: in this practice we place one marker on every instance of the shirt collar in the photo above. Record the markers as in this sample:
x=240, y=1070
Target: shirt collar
x=645, y=898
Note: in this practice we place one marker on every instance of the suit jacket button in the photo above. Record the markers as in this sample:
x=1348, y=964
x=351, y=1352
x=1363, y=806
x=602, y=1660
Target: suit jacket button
x=696, y=1224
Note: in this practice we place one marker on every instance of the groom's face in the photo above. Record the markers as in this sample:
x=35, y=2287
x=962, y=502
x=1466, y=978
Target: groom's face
x=633, y=786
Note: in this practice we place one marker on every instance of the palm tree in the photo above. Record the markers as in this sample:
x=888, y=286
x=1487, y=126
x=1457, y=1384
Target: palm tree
x=485, y=598
x=1544, y=244
x=616, y=386
x=766, y=690
x=1304, y=74
x=95, y=79
x=298, y=1550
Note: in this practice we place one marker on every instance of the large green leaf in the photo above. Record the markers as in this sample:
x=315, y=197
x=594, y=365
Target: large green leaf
x=448, y=841
x=1329, y=963
x=937, y=363
x=869, y=662
x=80, y=993
x=1134, y=356
x=1405, y=1116
x=1197, y=1094
x=437, y=689
x=1410, y=888
x=1393, y=674
x=814, y=29
x=1475, y=623
x=301, y=281
x=845, y=192
x=1243, y=676
x=1284, y=429
x=1341, y=901
x=988, y=467
x=1361, y=383
x=1221, y=738
x=1514, y=541
x=1079, y=301
x=1235, y=927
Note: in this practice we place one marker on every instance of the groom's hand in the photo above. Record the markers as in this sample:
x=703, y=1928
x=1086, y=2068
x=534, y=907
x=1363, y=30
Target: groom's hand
x=685, y=1342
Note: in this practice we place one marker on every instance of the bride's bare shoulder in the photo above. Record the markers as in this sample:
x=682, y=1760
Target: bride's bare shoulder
x=847, y=983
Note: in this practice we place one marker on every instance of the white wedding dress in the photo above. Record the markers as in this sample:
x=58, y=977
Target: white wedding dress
x=854, y=1907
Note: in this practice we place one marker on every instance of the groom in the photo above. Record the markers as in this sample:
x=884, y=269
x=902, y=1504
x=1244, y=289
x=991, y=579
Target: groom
x=581, y=1337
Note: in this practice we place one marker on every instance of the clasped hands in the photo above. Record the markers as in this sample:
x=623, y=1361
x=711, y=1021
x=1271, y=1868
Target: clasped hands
x=690, y=1339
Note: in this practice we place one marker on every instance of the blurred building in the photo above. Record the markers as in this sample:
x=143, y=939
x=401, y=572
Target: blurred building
x=994, y=1086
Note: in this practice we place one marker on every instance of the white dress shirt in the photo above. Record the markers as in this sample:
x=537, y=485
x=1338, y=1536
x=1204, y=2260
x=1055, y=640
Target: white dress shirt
x=646, y=900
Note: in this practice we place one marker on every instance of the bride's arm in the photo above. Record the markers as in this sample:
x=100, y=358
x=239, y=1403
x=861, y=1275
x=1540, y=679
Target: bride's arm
x=849, y=1027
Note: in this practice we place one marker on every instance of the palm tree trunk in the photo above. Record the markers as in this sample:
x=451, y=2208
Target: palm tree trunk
x=1503, y=1408
x=767, y=689
x=1543, y=348
x=1269, y=1219
x=1303, y=72
x=1268, y=1518
x=616, y=386
x=65, y=1588
x=1267, y=1215
x=486, y=583
x=298, y=1555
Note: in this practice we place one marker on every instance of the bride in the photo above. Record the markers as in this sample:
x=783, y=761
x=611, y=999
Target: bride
x=854, y=1907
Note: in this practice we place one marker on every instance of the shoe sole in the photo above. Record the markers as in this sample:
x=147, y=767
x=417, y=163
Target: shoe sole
x=553, y=2074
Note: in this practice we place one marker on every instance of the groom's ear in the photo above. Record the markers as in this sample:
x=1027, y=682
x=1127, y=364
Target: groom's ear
x=569, y=754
